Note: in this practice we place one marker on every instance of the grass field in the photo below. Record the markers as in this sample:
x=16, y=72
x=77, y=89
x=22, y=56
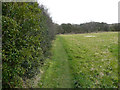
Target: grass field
x=82, y=61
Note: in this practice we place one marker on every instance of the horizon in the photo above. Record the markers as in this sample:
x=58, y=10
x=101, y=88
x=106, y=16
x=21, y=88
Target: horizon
x=86, y=22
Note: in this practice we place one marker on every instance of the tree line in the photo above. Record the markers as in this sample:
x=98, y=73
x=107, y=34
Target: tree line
x=86, y=27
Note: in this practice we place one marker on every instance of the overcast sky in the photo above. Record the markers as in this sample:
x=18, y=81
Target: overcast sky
x=81, y=11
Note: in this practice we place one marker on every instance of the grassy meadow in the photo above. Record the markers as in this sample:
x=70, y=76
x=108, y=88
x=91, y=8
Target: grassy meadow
x=82, y=61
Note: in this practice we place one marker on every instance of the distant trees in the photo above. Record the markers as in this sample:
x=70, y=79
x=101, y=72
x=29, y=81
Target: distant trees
x=87, y=27
x=114, y=27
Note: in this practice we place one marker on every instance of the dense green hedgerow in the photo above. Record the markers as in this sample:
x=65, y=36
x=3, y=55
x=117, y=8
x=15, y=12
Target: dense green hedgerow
x=10, y=51
x=26, y=39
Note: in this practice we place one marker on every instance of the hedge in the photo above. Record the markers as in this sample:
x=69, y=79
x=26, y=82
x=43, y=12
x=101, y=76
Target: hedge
x=26, y=40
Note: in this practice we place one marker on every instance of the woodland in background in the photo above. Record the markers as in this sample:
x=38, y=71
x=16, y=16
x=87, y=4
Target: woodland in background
x=86, y=28
x=27, y=34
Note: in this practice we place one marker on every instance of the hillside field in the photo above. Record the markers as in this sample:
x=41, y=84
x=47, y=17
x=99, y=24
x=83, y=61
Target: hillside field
x=82, y=61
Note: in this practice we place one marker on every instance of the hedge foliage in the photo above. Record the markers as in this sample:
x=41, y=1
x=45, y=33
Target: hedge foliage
x=27, y=32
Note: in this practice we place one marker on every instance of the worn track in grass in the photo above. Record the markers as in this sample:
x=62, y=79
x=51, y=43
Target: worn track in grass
x=83, y=61
x=58, y=74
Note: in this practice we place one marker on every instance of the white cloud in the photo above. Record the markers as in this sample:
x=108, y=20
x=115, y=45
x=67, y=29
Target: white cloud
x=80, y=11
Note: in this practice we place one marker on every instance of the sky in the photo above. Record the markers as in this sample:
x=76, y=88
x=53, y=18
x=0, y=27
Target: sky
x=82, y=11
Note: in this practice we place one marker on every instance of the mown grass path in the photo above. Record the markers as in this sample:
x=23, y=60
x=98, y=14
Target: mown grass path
x=82, y=61
x=93, y=59
x=58, y=74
